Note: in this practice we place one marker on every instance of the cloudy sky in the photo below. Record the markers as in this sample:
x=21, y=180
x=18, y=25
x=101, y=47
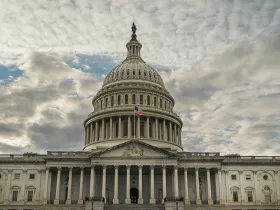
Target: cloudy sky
x=219, y=59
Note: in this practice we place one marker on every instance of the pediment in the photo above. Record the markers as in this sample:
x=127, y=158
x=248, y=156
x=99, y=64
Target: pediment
x=135, y=149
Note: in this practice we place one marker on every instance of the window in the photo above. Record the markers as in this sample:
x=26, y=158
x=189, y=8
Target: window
x=112, y=100
x=122, y=73
x=117, y=75
x=235, y=196
x=119, y=100
x=133, y=99
x=160, y=103
x=31, y=176
x=248, y=177
x=265, y=177
x=106, y=102
x=17, y=176
x=30, y=196
x=233, y=177
x=126, y=99
x=155, y=101
x=141, y=99
x=133, y=72
x=101, y=103
x=145, y=73
x=15, y=195
x=127, y=73
x=250, y=196
x=139, y=72
x=148, y=100
x=267, y=194
x=165, y=104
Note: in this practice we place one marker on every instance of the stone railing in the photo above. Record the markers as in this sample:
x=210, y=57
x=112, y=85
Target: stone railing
x=65, y=153
x=201, y=154
x=262, y=158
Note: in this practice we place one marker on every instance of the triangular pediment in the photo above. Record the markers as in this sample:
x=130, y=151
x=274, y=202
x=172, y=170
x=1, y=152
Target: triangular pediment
x=135, y=149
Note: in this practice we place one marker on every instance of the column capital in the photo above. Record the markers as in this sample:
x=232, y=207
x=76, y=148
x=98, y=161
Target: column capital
x=164, y=166
x=219, y=169
x=208, y=169
x=275, y=172
x=104, y=166
x=240, y=171
x=185, y=168
x=92, y=166
x=196, y=168
x=255, y=171
x=176, y=166
x=128, y=166
x=116, y=166
x=152, y=166
x=140, y=166
x=24, y=171
x=70, y=168
x=39, y=171
x=10, y=171
x=47, y=168
x=59, y=168
x=82, y=168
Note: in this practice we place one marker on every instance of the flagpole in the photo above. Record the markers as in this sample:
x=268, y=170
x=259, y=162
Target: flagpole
x=134, y=122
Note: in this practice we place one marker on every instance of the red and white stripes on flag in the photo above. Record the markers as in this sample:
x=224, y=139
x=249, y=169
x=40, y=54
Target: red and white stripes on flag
x=138, y=111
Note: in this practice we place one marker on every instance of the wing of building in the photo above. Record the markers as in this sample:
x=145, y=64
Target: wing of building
x=133, y=158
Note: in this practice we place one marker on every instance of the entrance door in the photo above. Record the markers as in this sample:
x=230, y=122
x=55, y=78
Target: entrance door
x=134, y=195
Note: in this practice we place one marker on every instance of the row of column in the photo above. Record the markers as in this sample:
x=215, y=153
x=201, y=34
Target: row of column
x=140, y=196
x=93, y=133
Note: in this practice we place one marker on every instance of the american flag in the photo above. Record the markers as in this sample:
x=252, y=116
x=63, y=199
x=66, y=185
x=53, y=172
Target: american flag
x=138, y=111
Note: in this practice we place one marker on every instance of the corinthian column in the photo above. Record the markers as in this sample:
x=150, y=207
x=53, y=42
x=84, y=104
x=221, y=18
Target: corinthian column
x=140, y=197
x=128, y=127
x=104, y=183
x=102, y=129
x=127, y=200
x=187, y=201
x=116, y=185
x=96, y=131
x=138, y=127
x=91, y=191
x=68, y=201
x=45, y=198
x=148, y=128
x=80, y=201
x=152, y=199
x=111, y=128
x=198, y=201
x=164, y=130
x=120, y=126
x=156, y=128
x=163, y=183
x=57, y=191
x=170, y=131
x=210, y=201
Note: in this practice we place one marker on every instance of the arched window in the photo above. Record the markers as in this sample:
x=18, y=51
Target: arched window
x=141, y=99
x=160, y=103
x=106, y=102
x=145, y=74
x=165, y=104
x=267, y=194
x=133, y=72
x=133, y=99
x=126, y=99
x=112, y=100
x=155, y=101
x=117, y=75
x=127, y=73
x=15, y=192
x=139, y=72
x=122, y=73
x=101, y=104
x=148, y=100
x=30, y=191
x=141, y=128
x=150, y=75
x=119, y=99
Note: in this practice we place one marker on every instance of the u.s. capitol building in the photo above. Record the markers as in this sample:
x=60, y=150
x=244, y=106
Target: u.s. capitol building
x=137, y=161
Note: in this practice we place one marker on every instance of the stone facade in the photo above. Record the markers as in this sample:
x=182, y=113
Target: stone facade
x=132, y=159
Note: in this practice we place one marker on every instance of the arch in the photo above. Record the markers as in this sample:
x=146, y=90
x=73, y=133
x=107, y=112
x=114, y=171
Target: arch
x=133, y=99
x=134, y=194
x=126, y=99
x=267, y=193
x=270, y=176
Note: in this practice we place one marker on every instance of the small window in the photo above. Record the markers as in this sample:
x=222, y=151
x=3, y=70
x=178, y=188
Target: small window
x=127, y=73
x=101, y=104
x=141, y=99
x=30, y=196
x=148, y=100
x=267, y=194
x=150, y=75
x=155, y=101
x=106, y=102
x=165, y=104
x=139, y=72
x=235, y=196
x=119, y=100
x=248, y=177
x=145, y=74
x=133, y=99
x=17, y=176
x=112, y=100
x=233, y=177
x=122, y=73
x=31, y=176
x=265, y=177
x=117, y=75
x=133, y=72
x=15, y=195
x=0, y=176
x=160, y=103
x=250, y=196
x=126, y=99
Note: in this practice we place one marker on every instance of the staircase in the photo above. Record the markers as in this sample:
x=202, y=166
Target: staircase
x=134, y=207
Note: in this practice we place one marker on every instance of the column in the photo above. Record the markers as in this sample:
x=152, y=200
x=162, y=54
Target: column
x=90, y=134
x=49, y=185
x=128, y=127
x=127, y=200
x=176, y=189
x=221, y=193
x=175, y=134
x=120, y=126
x=138, y=126
x=256, y=187
x=164, y=130
x=68, y=201
x=163, y=183
x=85, y=135
x=210, y=201
x=241, y=187
x=111, y=127
x=227, y=194
x=116, y=185
x=87, y=130
x=7, y=194
x=96, y=131
x=156, y=128
x=80, y=201
x=198, y=201
x=57, y=191
x=148, y=128
x=22, y=193
x=104, y=183
x=140, y=196
x=152, y=182
x=38, y=186
x=102, y=129
x=160, y=131
x=276, y=174
x=170, y=131
x=92, y=180
x=180, y=136
x=46, y=186
x=187, y=201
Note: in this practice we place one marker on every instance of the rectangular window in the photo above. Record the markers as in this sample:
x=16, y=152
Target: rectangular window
x=248, y=177
x=29, y=196
x=106, y=102
x=141, y=99
x=101, y=103
x=15, y=195
x=250, y=196
x=233, y=177
x=235, y=196
x=112, y=100
x=31, y=176
x=17, y=176
x=155, y=101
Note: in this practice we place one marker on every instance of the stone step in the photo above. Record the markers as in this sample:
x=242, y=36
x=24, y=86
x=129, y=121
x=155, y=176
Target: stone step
x=134, y=207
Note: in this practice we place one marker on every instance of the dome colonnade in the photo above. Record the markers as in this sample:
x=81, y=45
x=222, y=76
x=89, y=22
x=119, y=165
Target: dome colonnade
x=133, y=83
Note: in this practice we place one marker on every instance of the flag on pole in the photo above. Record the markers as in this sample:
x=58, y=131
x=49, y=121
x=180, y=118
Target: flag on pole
x=138, y=111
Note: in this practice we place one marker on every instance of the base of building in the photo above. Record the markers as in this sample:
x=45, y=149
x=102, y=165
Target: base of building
x=140, y=201
x=80, y=201
x=127, y=201
x=116, y=201
x=152, y=201
x=187, y=201
x=210, y=201
x=68, y=202
x=55, y=202
x=198, y=201
x=44, y=202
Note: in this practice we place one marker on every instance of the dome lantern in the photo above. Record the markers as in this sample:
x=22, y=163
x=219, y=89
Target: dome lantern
x=133, y=46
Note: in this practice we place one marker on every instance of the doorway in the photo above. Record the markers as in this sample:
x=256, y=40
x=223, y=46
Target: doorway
x=134, y=195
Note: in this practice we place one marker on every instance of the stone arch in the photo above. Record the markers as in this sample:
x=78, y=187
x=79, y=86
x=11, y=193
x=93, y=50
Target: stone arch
x=269, y=174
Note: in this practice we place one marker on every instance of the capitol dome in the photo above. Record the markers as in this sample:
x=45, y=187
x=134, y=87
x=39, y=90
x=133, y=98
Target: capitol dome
x=133, y=83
